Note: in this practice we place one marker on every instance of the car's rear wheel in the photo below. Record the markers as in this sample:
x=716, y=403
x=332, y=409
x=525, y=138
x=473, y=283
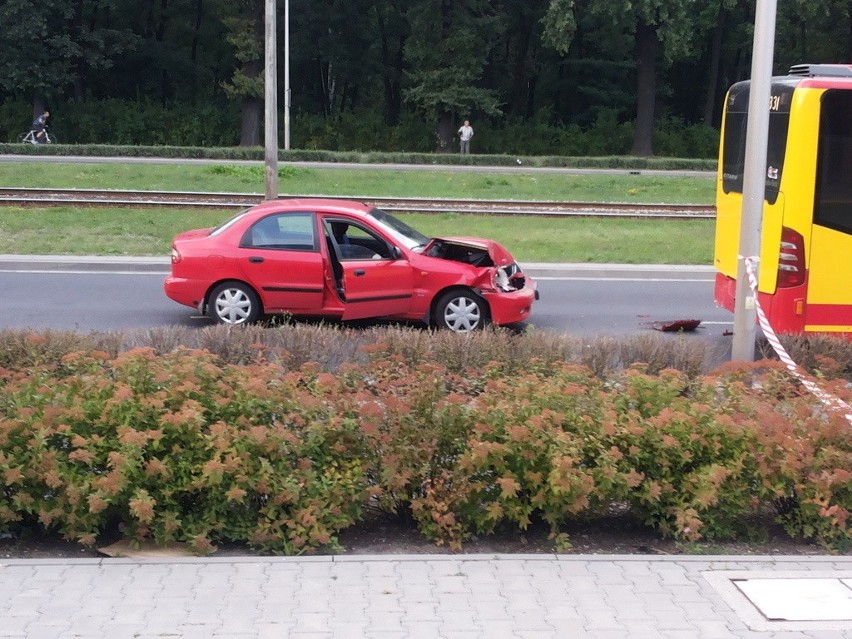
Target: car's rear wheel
x=461, y=311
x=234, y=303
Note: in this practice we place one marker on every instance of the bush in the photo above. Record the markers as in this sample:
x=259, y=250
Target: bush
x=122, y=123
x=823, y=356
x=178, y=447
x=280, y=438
x=116, y=127
x=675, y=138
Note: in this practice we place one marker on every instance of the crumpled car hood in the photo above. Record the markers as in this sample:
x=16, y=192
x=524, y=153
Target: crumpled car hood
x=451, y=245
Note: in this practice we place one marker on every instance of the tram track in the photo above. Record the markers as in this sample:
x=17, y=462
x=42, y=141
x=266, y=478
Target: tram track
x=41, y=197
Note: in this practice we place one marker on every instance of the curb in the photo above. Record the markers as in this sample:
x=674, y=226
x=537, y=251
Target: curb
x=837, y=562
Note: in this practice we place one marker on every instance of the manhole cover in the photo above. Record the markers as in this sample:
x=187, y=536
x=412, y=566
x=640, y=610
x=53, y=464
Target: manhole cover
x=780, y=600
x=800, y=599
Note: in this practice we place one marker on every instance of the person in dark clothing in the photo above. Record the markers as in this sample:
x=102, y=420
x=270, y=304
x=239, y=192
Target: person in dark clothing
x=39, y=125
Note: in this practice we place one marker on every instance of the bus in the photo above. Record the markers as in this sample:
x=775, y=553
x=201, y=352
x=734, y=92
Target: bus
x=805, y=267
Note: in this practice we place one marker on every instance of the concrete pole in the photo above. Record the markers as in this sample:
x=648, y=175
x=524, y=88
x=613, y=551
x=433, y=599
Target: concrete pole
x=286, y=75
x=270, y=77
x=754, y=179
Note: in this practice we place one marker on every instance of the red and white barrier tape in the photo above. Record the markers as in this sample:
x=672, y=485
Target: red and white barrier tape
x=826, y=398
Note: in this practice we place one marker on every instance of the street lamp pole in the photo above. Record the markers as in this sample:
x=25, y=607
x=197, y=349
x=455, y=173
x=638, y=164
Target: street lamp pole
x=270, y=102
x=754, y=178
x=286, y=75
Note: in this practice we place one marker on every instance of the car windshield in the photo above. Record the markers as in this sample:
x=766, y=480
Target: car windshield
x=410, y=237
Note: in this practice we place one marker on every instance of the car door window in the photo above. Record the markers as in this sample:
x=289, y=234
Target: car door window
x=355, y=242
x=283, y=231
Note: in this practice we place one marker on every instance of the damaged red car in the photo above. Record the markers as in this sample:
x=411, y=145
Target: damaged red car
x=344, y=260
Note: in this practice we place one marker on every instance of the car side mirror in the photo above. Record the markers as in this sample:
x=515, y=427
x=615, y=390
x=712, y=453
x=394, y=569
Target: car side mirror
x=396, y=253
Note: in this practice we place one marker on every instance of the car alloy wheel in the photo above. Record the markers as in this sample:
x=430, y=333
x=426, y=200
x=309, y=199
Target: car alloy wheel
x=461, y=311
x=234, y=303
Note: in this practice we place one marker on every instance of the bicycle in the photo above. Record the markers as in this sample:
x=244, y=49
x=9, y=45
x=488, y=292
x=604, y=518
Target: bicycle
x=30, y=137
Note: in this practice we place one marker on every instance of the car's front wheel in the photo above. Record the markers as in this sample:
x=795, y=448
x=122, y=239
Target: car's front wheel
x=234, y=303
x=461, y=311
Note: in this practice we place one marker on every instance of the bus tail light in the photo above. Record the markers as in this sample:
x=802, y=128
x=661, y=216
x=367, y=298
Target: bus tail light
x=791, y=259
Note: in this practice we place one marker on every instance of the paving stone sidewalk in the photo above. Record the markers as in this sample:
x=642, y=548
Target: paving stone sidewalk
x=413, y=597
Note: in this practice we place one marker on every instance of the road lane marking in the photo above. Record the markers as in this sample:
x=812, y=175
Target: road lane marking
x=38, y=271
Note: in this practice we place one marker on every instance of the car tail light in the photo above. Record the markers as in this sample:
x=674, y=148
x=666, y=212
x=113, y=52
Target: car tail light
x=791, y=259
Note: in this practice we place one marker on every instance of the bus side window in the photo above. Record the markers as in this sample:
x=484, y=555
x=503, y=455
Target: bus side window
x=833, y=206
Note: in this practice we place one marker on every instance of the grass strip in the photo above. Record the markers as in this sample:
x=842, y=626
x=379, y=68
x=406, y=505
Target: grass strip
x=143, y=232
x=148, y=232
x=300, y=180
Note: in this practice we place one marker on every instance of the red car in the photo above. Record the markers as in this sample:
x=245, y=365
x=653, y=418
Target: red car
x=344, y=260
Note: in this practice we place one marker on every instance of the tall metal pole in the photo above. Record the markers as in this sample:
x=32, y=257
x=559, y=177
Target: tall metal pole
x=286, y=75
x=754, y=179
x=270, y=77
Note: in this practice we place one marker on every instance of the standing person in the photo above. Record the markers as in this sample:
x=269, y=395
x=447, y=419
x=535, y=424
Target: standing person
x=39, y=125
x=465, y=133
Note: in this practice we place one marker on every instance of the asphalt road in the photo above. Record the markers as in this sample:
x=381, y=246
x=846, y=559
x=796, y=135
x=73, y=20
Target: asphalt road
x=101, y=294
x=113, y=294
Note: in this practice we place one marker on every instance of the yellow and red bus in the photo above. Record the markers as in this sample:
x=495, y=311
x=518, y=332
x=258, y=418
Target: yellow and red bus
x=805, y=268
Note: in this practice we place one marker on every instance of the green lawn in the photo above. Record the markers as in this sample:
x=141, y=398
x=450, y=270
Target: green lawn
x=298, y=180
x=101, y=231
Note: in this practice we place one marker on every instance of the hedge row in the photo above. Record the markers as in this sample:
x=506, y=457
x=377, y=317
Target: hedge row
x=217, y=124
x=181, y=446
x=307, y=155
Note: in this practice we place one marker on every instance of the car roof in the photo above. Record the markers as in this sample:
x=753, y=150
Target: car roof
x=326, y=205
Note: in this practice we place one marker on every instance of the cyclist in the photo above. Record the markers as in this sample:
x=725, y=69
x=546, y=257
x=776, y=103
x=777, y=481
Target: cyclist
x=38, y=127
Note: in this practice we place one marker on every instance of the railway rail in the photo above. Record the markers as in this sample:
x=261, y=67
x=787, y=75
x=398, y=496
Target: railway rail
x=32, y=197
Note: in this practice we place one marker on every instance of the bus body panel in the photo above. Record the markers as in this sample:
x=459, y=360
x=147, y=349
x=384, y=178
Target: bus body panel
x=829, y=298
x=770, y=240
x=727, y=240
x=810, y=201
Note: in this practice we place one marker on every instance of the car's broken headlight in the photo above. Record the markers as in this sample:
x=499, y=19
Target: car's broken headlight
x=508, y=278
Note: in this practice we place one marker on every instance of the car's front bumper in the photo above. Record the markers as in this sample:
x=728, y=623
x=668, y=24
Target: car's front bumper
x=514, y=306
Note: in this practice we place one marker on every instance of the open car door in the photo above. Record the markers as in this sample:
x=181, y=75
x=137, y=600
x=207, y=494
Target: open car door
x=374, y=281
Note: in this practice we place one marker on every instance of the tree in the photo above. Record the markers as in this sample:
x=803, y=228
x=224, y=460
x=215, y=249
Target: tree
x=446, y=54
x=36, y=60
x=245, y=33
x=518, y=57
x=715, y=17
x=586, y=82
x=813, y=31
x=51, y=46
x=661, y=28
x=179, y=55
x=393, y=34
x=335, y=43
x=98, y=43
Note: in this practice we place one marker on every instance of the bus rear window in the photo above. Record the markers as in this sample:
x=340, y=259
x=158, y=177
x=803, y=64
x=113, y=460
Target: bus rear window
x=733, y=148
x=833, y=206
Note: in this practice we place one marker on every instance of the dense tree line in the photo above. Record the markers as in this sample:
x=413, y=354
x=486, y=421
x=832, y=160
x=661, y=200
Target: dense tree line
x=552, y=63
